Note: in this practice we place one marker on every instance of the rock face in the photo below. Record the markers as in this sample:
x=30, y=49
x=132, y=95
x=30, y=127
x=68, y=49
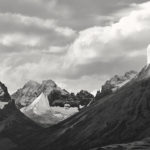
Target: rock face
x=4, y=95
x=31, y=90
x=115, y=83
x=27, y=94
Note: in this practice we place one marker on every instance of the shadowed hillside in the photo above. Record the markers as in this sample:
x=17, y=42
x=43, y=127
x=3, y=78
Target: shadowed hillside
x=14, y=126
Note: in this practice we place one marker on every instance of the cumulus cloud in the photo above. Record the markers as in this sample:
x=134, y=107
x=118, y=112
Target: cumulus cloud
x=126, y=38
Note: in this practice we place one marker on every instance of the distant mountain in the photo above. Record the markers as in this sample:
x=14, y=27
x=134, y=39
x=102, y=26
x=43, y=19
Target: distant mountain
x=121, y=117
x=115, y=83
x=56, y=96
x=31, y=90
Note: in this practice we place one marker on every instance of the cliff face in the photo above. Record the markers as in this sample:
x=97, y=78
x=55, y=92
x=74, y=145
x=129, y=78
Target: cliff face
x=115, y=83
x=4, y=95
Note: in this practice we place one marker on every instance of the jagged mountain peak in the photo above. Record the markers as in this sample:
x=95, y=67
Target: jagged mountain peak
x=115, y=83
x=118, y=81
x=32, y=89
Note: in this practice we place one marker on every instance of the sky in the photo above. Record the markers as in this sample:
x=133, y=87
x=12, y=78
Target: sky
x=77, y=43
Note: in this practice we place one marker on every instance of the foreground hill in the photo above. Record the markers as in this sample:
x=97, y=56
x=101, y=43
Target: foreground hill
x=14, y=126
x=122, y=117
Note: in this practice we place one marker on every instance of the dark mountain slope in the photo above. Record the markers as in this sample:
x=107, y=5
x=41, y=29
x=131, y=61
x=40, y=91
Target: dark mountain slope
x=14, y=126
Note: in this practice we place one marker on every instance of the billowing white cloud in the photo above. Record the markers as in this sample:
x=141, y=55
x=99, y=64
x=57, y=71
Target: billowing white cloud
x=126, y=38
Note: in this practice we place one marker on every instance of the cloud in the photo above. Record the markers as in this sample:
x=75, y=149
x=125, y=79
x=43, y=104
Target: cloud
x=15, y=39
x=45, y=24
x=56, y=50
x=126, y=38
x=20, y=33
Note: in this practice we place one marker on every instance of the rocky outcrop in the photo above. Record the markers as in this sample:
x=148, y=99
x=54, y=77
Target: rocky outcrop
x=31, y=90
x=26, y=94
x=4, y=95
x=115, y=83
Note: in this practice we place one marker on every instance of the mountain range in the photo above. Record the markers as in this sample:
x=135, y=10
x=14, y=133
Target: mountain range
x=56, y=96
x=118, y=120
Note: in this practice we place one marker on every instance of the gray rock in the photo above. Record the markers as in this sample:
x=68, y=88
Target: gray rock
x=32, y=89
